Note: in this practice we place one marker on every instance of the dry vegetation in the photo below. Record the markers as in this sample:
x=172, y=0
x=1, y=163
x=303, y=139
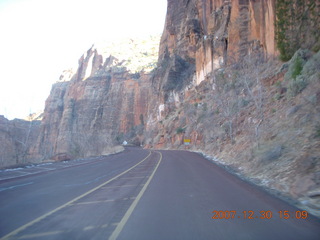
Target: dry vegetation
x=261, y=118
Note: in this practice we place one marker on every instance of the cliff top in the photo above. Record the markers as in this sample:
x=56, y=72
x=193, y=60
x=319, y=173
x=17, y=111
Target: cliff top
x=136, y=54
x=127, y=54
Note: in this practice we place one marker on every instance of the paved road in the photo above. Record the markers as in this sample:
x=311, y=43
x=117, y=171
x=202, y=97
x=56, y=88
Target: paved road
x=6, y=174
x=141, y=194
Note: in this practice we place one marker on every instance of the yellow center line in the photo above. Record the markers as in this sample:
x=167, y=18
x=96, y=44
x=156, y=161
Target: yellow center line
x=18, y=230
x=125, y=218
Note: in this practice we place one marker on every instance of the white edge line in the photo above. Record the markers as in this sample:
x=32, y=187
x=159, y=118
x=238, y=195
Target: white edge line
x=15, y=232
x=125, y=218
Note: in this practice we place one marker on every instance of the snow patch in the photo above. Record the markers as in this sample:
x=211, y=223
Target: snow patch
x=13, y=169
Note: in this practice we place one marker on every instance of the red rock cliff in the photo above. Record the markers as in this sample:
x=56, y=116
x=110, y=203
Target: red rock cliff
x=210, y=33
x=101, y=105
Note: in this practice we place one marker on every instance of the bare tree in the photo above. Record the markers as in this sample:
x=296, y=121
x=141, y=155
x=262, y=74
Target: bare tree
x=226, y=96
x=250, y=71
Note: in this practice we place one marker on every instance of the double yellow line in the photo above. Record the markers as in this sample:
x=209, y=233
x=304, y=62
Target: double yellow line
x=18, y=230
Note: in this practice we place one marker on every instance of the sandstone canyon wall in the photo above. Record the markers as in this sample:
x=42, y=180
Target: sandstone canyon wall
x=101, y=104
x=209, y=33
x=201, y=37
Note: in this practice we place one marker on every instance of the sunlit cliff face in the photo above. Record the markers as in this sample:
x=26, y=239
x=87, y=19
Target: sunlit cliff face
x=138, y=54
x=213, y=33
x=102, y=103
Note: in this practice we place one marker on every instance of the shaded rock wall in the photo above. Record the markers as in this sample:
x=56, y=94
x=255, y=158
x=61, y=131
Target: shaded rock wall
x=16, y=138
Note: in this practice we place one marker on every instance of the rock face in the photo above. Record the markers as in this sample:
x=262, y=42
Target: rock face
x=102, y=104
x=16, y=138
x=201, y=36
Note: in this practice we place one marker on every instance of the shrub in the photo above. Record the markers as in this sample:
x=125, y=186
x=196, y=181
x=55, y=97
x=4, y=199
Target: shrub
x=277, y=96
x=312, y=66
x=278, y=84
x=244, y=102
x=316, y=47
x=272, y=154
x=296, y=67
x=205, y=106
x=297, y=85
x=180, y=130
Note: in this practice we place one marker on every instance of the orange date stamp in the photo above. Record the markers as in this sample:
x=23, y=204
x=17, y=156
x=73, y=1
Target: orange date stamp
x=249, y=214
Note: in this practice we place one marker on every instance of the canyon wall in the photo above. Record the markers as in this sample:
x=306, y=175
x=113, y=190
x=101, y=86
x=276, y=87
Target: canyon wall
x=202, y=36
x=97, y=107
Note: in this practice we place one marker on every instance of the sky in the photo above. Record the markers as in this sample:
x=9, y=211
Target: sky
x=41, y=38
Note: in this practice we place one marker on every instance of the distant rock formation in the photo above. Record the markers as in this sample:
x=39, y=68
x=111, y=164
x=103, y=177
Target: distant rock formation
x=102, y=104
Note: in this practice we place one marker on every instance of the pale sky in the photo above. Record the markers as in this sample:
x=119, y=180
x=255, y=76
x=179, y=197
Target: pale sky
x=41, y=38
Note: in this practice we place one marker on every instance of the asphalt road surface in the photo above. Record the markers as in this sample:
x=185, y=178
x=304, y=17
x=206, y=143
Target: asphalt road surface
x=142, y=194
